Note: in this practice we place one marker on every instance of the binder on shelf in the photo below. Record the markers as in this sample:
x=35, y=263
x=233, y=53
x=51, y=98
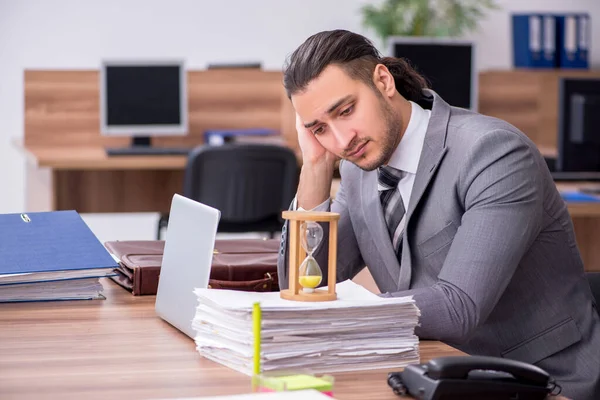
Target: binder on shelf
x=585, y=39
x=573, y=40
x=534, y=40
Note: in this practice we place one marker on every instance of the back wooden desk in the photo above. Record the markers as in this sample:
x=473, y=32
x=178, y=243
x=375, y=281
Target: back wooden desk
x=87, y=180
x=119, y=349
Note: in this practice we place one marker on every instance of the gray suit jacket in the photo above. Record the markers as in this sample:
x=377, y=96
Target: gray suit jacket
x=489, y=250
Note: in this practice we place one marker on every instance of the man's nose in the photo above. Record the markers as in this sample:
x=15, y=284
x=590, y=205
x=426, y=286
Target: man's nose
x=343, y=137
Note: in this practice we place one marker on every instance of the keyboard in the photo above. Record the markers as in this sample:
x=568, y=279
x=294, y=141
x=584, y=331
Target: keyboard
x=148, y=151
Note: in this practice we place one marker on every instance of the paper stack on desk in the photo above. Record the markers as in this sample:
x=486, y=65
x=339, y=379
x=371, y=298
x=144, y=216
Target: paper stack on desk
x=68, y=289
x=358, y=331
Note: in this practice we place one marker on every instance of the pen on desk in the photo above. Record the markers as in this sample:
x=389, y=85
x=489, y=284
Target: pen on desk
x=256, y=322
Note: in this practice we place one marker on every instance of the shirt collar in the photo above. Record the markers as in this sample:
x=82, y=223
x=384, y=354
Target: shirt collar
x=407, y=154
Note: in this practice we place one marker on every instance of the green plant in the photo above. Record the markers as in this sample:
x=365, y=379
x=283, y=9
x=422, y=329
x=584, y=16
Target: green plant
x=425, y=17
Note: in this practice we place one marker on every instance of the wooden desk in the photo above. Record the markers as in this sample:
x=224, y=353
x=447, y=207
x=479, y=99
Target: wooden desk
x=586, y=221
x=119, y=348
x=87, y=180
x=95, y=158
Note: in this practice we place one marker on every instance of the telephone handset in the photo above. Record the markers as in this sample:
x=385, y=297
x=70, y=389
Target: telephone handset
x=473, y=377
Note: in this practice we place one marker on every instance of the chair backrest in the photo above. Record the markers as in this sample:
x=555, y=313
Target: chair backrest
x=249, y=183
x=594, y=279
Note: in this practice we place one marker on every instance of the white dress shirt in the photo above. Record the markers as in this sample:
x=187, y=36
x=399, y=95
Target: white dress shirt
x=405, y=157
x=408, y=153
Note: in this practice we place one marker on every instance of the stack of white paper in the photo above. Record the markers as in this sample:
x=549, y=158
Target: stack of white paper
x=62, y=289
x=358, y=331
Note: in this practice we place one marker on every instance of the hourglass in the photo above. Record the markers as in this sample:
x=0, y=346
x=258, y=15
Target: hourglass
x=305, y=274
x=309, y=274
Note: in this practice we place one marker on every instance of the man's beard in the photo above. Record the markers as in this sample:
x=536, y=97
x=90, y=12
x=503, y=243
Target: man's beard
x=389, y=142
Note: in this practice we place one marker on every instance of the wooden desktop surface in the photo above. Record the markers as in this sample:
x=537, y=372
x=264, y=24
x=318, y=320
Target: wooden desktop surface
x=95, y=158
x=119, y=348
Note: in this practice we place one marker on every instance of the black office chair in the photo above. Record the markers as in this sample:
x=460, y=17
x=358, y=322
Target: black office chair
x=594, y=279
x=249, y=183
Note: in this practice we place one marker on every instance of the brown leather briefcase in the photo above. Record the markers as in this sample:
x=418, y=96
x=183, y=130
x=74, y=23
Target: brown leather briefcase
x=240, y=264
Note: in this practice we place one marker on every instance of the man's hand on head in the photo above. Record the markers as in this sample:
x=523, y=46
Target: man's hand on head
x=313, y=153
x=317, y=169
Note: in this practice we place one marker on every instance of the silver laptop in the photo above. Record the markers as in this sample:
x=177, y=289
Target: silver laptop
x=186, y=261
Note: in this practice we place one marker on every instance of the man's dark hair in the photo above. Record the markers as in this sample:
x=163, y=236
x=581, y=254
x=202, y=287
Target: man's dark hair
x=356, y=55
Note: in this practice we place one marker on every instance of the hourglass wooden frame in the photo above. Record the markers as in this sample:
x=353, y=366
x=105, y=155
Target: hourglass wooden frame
x=296, y=254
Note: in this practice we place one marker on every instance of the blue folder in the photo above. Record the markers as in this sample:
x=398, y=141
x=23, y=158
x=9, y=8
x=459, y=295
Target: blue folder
x=534, y=40
x=573, y=40
x=579, y=197
x=221, y=136
x=50, y=242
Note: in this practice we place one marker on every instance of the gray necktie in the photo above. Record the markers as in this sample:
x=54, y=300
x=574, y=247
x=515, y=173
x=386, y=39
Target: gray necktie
x=392, y=204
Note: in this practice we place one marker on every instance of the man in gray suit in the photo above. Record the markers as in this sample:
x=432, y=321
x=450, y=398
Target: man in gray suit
x=452, y=207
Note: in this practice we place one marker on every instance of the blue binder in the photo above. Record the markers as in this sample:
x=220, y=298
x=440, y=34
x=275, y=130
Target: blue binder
x=50, y=242
x=573, y=40
x=584, y=40
x=534, y=40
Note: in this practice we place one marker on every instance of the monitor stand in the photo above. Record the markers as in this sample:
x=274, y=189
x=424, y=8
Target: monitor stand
x=141, y=141
x=142, y=146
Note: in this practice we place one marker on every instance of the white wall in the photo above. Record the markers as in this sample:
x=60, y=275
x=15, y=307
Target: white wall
x=77, y=34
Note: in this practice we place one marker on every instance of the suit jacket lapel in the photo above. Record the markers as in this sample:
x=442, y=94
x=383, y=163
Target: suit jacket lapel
x=434, y=149
x=422, y=180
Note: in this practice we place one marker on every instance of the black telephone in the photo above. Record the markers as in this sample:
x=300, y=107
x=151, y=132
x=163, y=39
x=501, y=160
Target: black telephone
x=473, y=377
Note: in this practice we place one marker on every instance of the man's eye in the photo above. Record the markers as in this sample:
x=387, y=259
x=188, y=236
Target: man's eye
x=347, y=111
x=318, y=131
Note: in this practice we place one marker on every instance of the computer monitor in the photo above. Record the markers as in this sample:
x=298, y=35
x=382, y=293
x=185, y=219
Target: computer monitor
x=579, y=126
x=143, y=99
x=448, y=64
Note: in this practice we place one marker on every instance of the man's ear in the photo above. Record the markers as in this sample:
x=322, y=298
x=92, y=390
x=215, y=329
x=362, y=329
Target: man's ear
x=384, y=80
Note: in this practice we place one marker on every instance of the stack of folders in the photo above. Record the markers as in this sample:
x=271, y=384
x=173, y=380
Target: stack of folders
x=50, y=256
x=543, y=40
x=358, y=331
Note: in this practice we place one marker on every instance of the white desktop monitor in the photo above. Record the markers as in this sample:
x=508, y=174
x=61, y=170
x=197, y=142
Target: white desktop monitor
x=143, y=98
x=448, y=64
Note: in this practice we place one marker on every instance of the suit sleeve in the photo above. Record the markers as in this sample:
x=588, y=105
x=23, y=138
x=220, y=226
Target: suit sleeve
x=501, y=187
x=349, y=260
